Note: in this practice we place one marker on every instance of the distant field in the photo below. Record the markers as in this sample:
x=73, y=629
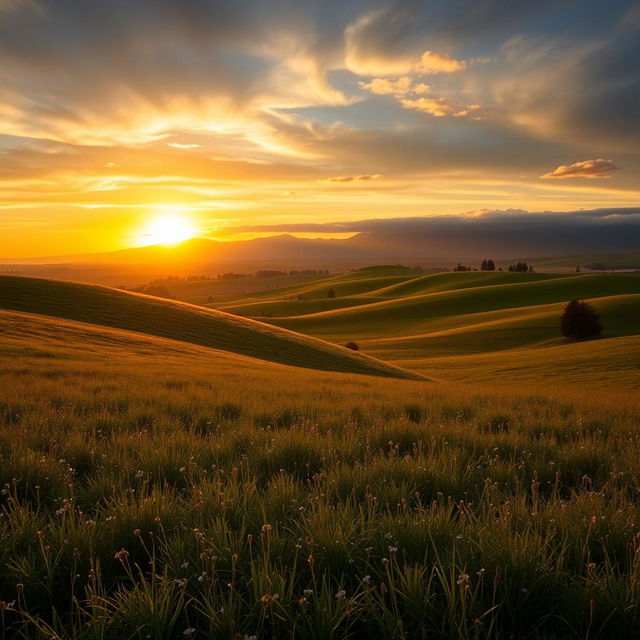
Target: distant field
x=166, y=473
x=423, y=319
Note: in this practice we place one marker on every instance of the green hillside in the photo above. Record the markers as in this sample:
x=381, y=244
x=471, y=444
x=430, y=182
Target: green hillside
x=350, y=283
x=466, y=324
x=184, y=322
x=404, y=315
x=505, y=329
x=434, y=282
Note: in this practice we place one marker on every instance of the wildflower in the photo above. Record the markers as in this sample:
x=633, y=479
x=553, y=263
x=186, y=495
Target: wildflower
x=341, y=594
x=184, y=565
x=393, y=549
x=367, y=581
x=266, y=528
x=308, y=592
x=463, y=579
x=139, y=473
x=136, y=532
x=188, y=632
x=121, y=555
x=183, y=469
x=181, y=582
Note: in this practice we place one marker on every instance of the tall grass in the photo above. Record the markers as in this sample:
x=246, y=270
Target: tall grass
x=146, y=498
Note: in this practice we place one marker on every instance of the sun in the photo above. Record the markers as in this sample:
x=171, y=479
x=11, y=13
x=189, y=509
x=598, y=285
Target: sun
x=169, y=229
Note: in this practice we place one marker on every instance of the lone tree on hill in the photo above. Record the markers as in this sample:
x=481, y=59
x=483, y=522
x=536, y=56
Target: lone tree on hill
x=580, y=321
x=331, y=293
x=353, y=346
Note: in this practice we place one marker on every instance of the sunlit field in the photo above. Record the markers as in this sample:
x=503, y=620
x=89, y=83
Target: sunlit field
x=154, y=488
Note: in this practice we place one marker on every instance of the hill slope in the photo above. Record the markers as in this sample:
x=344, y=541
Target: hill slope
x=410, y=314
x=184, y=322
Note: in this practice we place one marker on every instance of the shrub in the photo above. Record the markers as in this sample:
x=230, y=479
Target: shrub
x=580, y=321
x=354, y=346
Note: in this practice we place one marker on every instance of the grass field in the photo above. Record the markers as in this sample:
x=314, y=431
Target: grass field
x=489, y=324
x=166, y=473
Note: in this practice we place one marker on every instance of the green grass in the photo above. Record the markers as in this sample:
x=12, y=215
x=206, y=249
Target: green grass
x=181, y=321
x=359, y=281
x=506, y=329
x=508, y=317
x=159, y=482
x=152, y=487
x=432, y=283
x=401, y=315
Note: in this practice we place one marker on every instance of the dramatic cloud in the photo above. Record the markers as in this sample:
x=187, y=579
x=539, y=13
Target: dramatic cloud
x=587, y=169
x=228, y=105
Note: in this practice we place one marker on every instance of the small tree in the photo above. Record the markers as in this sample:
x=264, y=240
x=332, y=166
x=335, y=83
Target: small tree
x=580, y=321
x=353, y=346
x=331, y=293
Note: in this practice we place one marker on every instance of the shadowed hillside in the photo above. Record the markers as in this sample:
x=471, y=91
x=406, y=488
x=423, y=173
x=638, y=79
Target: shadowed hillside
x=181, y=321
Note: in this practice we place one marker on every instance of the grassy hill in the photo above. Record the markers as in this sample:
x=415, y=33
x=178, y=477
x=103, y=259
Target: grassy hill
x=401, y=315
x=164, y=488
x=436, y=322
x=184, y=322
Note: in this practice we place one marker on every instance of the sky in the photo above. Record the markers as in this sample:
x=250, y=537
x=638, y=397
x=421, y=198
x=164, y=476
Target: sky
x=251, y=116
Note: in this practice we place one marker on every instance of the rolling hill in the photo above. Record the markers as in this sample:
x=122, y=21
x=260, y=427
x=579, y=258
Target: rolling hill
x=467, y=325
x=180, y=321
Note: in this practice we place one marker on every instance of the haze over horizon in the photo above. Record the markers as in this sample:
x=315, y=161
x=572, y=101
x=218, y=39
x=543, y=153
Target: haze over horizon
x=127, y=124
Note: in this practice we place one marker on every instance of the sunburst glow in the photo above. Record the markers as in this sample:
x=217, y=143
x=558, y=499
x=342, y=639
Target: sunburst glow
x=169, y=229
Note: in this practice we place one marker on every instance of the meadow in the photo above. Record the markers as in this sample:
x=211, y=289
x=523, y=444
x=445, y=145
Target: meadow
x=158, y=488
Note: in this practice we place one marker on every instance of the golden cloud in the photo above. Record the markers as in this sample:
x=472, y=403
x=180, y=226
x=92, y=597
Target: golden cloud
x=438, y=63
x=587, y=169
x=400, y=86
x=438, y=107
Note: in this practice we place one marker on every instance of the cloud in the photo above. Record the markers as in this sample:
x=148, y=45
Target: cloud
x=587, y=169
x=437, y=63
x=360, y=178
x=438, y=107
x=400, y=86
x=518, y=219
x=582, y=91
x=511, y=233
x=382, y=41
x=179, y=145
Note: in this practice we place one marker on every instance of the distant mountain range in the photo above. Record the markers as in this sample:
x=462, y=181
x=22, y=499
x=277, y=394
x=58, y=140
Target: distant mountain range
x=551, y=241
x=440, y=245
